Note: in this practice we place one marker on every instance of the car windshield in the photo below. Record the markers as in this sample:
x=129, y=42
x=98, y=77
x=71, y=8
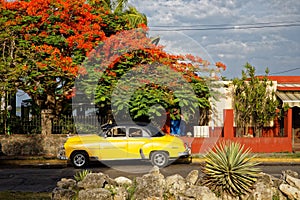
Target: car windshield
x=104, y=129
x=102, y=133
x=155, y=132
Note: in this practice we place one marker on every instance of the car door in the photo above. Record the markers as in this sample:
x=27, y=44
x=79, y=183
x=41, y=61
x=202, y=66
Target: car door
x=114, y=145
x=137, y=137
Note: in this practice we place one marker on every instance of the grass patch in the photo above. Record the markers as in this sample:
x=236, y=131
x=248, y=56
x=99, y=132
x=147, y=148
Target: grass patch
x=198, y=155
x=278, y=155
x=12, y=195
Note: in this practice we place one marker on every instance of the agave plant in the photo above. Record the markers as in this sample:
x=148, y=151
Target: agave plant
x=229, y=169
x=79, y=176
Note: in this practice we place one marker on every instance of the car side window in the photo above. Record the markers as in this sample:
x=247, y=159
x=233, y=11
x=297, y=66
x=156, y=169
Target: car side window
x=117, y=132
x=135, y=132
x=146, y=133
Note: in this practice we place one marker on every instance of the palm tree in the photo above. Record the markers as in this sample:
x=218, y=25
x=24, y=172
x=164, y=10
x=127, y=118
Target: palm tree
x=121, y=7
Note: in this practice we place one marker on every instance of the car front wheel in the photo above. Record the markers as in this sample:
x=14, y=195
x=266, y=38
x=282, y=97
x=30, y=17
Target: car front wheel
x=79, y=159
x=159, y=159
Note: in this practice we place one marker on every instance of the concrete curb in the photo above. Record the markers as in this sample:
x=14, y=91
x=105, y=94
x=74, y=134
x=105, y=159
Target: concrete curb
x=52, y=162
x=32, y=163
x=262, y=160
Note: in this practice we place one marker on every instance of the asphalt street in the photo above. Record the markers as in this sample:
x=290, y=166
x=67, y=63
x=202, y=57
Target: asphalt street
x=43, y=178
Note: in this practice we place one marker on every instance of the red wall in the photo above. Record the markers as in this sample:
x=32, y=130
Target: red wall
x=256, y=144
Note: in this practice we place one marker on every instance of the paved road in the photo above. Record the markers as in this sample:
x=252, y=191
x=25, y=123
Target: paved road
x=44, y=178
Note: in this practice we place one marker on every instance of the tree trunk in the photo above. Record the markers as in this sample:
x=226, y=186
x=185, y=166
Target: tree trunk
x=46, y=121
x=239, y=131
x=258, y=131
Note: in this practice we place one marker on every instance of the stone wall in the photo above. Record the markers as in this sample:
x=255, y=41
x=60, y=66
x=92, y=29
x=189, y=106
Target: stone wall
x=31, y=145
x=154, y=186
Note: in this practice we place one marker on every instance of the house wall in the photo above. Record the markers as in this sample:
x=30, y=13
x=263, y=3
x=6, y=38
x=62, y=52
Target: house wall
x=221, y=100
x=256, y=145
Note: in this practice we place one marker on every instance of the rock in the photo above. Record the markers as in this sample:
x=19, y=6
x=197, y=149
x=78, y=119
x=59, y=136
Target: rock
x=192, y=177
x=230, y=197
x=200, y=193
x=290, y=191
x=277, y=182
x=295, y=182
x=95, y=180
x=155, y=171
x=290, y=173
x=66, y=183
x=96, y=193
x=265, y=179
x=175, y=184
x=266, y=187
x=154, y=186
x=201, y=180
x=150, y=185
x=123, y=181
x=63, y=194
x=121, y=194
x=261, y=192
x=263, y=187
x=279, y=195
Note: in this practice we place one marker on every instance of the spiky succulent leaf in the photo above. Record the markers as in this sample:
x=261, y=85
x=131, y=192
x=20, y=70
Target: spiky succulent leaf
x=79, y=176
x=229, y=169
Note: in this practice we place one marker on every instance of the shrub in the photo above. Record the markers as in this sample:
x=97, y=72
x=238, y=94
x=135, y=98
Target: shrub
x=229, y=169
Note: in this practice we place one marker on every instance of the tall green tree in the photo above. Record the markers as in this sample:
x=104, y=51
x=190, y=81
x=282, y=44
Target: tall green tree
x=254, y=99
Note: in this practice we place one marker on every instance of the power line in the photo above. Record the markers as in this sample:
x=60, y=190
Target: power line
x=289, y=70
x=236, y=27
x=217, y=25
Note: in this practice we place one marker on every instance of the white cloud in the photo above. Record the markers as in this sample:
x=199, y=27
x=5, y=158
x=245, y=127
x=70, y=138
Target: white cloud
x=277, y=47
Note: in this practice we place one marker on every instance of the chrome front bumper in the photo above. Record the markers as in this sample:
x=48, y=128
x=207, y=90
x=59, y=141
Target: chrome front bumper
x=62, y=154
x=186, y=153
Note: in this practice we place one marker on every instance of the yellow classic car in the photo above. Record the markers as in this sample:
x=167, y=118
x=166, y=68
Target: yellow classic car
x=125, y=141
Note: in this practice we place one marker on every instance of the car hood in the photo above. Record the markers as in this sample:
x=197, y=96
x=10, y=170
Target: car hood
x=172, y=138
x=83, y=137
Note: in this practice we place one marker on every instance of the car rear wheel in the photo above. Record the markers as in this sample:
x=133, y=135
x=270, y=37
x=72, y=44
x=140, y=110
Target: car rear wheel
x=79, y=159
x=159, y=159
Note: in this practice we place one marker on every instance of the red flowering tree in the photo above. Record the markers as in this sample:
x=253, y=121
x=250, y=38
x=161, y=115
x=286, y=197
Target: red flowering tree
x=139, y=80
x=43, y=43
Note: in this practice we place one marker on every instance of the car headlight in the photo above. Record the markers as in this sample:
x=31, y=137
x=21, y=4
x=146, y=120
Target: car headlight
x=187, y=148
x=61, y=153
x=187, y=145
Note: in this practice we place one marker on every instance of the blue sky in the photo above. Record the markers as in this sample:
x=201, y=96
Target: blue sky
x=273, y=43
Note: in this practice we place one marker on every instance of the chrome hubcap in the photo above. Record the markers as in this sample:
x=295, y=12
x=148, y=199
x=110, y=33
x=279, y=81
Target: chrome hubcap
x=159, y=159
x=79, y=160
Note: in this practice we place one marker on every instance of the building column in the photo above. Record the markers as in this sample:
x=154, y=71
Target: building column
x=228, y=123
x=288, y=126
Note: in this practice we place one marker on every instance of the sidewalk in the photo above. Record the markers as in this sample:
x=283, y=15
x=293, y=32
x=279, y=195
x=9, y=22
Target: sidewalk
x=267, y=160
x=27, y=161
